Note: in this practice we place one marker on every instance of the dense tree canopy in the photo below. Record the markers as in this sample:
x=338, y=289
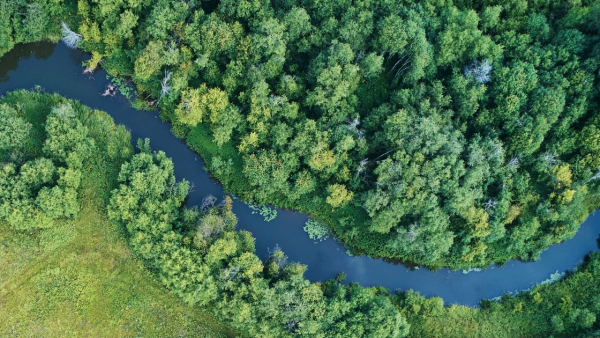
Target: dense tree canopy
x=36, y=191
x=444, y=133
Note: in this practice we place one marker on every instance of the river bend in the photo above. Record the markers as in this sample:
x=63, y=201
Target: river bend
x=58, y=69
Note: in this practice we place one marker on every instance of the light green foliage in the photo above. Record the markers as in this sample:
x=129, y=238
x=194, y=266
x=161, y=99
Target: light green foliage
x=316, y=231
x=338, y=195
x=67, y=140
x=14, y=132
x=269, y=213
x=190, y=110
x=150, y=61
x=460, y=38
x=20, y=187
x=127, y=21
x=210, y=104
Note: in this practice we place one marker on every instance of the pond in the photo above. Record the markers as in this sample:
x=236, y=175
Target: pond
x=58, y=69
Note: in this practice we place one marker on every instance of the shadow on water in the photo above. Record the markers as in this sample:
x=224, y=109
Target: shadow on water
x=209, y=6
x=58, y=69
x=10, y=60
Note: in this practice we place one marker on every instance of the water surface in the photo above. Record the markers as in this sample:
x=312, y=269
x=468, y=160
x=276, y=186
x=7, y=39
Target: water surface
x=59, y=69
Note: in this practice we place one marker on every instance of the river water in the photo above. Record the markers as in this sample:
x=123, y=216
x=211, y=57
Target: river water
x=58, y=69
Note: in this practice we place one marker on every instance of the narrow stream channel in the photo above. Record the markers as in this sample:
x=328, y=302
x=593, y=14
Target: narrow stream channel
x=58, y=69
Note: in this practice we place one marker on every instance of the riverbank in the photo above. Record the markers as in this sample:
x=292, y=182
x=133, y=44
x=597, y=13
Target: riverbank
x=62, y=70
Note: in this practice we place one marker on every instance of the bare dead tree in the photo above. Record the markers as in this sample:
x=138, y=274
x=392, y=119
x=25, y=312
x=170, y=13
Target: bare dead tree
x=222, y=203
x=413, y=232
x=70, y=38
x=519, y=121
x=353, y=124
x=110, y=90
x=595, y=177
x=63, y=110
x=279, y=259
x=490, y=204
x=207, y=203
x=362, y=166
x=164, y=84
x=479, y=71
x=387, y=152
x=359, y=56
x=229, y=273
x=275, y=100
x=291, y=326
x=495, y=150
x=550, y=159
x=405, y=66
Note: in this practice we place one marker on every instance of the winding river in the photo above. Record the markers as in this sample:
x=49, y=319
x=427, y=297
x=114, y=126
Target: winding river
x=58, y=69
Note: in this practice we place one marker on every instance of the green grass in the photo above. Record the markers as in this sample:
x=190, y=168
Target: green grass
x=79, y=278
x=460, y=321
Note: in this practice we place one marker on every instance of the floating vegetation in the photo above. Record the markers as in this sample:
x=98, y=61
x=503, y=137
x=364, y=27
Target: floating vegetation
x=471, y=270
x=316, y=231
x=122, y=85
x=555, y=277
x=267, y=212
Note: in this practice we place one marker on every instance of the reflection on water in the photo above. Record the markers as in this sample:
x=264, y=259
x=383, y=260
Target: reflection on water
x=10, y=60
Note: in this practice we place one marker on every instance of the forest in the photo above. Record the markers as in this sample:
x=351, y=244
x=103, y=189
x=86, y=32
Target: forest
x=437, y=133
x=196, y=253
x=444, y=133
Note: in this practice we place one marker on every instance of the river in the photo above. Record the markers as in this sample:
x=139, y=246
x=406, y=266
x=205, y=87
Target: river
x=58, y=69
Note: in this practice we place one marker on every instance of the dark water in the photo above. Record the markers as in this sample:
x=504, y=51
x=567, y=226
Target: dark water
x=58, y=69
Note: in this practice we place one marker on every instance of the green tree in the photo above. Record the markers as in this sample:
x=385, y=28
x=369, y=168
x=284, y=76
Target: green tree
x=338, y=195
x=149, y=61
x=14, y=131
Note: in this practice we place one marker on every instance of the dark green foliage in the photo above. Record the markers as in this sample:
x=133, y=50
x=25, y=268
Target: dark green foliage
x=36, y=191
x=31, y=21
x=404, y=112
x=443, y=134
